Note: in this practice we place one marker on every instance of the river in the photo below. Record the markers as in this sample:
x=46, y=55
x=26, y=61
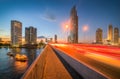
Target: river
x=12, y=69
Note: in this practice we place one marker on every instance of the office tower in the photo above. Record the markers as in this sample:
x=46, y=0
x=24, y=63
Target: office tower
x=30, y=35
x=16, y=33
x=73, y=37
x=110, y=33
x=55, y=39
x=99, y=36
x=116, y=35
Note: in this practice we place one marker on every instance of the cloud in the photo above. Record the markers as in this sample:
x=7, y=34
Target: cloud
x=49, y=16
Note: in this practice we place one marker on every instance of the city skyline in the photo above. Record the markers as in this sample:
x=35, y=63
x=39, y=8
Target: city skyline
x=49, y=16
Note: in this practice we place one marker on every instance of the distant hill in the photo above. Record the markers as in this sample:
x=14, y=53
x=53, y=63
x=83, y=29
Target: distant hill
x=41, y=37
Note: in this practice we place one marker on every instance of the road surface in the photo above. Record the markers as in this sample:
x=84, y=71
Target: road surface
x=102, y=59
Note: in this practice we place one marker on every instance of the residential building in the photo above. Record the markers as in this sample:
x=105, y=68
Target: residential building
x=116, y=35
x=110, y=33
x=30, y=35
x=99, y=36
x=55, y=38
x=16, y=33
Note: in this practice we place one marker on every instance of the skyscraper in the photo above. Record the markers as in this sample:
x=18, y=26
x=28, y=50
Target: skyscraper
x=116, y=35
x=55, y=39
x=110, y=33
x=16, y=33
x=30, y=35
x=99, y=36
x=73, y=37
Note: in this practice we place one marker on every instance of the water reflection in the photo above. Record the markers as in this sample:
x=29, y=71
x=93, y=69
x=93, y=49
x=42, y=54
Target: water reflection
x=16, y=50
x=20, y=66
x=12, y=69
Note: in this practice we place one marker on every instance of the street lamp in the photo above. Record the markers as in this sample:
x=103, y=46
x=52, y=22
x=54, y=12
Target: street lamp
x=66, y=26
x=85, y=29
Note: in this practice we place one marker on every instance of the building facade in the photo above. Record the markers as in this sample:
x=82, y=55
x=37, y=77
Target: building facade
x=110, y=33
x=55, y=38
x=73, y=37
x=30, y=35
x=16, y=33
x=116, y=35
x=99, y=36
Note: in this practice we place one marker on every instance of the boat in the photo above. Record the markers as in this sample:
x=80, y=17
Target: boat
x=19, y=57
x=10, y=54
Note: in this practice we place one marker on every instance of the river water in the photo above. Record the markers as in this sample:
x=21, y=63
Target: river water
x=12, y=69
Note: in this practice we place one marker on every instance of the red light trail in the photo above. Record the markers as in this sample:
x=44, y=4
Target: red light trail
x=93, y=56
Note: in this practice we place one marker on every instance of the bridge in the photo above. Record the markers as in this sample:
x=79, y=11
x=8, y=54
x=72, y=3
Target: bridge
x=76, y=61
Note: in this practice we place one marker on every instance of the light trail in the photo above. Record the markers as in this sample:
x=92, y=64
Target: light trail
x=108, y=57
x=104, y=59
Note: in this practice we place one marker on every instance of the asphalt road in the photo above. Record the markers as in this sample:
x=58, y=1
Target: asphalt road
x=104, y=60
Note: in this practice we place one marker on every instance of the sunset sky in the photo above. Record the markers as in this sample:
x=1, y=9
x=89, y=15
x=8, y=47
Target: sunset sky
x=50, y=16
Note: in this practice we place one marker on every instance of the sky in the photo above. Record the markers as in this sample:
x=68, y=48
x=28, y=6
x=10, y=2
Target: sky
x=50, y=16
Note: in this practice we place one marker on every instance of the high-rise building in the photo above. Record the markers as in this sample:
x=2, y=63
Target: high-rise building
x=55, y=39
x=16, y=33
x=110, y=33
x=73, y=37
x=30, y=35
x=99, y=36
x=116, y=35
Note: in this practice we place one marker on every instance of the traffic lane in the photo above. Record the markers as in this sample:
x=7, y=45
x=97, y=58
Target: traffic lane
x=82, y=69
x=103, y=51
x=91, y=54
x=101, y=67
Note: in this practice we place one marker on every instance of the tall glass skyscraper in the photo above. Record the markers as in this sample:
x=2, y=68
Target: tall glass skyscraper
x=73, y=37
x=16, y=33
